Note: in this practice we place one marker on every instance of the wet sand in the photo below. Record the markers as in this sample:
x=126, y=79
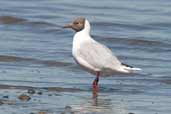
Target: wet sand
x=24, y=95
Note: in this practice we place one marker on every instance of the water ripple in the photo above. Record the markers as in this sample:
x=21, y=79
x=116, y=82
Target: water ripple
x=50, y=63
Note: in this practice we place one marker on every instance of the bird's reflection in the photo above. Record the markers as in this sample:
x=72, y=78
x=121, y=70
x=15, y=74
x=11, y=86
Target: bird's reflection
x=97, y=102
x=100, y=104
x=95, y=93
x=97, y=105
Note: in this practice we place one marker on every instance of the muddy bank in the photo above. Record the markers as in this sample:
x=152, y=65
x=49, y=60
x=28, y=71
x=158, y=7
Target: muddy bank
x=27, y=96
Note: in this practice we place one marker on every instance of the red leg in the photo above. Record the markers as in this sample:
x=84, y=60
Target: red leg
x=95, y=85
x=95, y=82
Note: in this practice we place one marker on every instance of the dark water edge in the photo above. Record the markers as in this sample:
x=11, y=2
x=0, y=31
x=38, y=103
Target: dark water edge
x=49, y=63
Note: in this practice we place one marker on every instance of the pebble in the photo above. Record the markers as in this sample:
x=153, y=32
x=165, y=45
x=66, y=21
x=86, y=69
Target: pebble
x=32, y=113
x=1, y=102
x=31, y=91
x=39, y=93
x=49, y=94
x=9, y=102
x=42, y=112
x=6, y=96
x=24, y=97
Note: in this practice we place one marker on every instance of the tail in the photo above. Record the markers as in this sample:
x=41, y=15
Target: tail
x=136, y=69
x=130, y=69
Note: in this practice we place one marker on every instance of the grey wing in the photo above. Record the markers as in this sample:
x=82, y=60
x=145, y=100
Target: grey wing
x=99, y=56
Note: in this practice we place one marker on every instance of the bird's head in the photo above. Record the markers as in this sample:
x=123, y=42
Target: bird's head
x=78, y=24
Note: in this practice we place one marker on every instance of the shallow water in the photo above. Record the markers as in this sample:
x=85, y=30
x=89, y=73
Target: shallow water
x=35, y=52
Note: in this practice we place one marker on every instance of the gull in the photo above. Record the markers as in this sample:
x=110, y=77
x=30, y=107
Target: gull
x=93, y=56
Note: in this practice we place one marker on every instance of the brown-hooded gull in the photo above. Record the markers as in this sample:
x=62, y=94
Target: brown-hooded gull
x=93, y=56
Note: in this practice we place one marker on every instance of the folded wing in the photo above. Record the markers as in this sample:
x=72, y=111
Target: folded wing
x=98, y=56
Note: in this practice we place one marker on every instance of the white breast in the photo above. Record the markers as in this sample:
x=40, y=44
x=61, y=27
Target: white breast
x=81, y=37
x=78, y=40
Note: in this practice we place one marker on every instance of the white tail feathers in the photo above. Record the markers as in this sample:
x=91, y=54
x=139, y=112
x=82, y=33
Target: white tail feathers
x=129, y=69
x=136, y=69
x=132, y=69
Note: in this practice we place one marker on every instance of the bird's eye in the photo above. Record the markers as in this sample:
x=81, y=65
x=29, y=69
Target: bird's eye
x=76, y=23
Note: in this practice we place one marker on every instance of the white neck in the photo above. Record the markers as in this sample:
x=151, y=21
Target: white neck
x=81, y=37
x=83, y=34
x=86, y=27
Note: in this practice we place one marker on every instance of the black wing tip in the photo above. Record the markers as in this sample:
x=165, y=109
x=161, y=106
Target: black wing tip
x=127, y=65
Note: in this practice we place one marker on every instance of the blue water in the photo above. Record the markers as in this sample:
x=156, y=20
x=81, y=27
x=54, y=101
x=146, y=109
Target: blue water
x=36, y=51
